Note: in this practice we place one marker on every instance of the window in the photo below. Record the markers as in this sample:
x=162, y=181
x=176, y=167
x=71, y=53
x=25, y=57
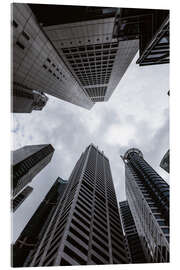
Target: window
x=77, y=245
x=165, y=230
x=79, y=235
x=15, y=24
x=20, y=45
x=161, y=223
x=25, y=35
x=73, y=255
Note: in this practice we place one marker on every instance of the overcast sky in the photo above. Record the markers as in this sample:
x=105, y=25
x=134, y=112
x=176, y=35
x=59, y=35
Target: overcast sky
x=136, y=115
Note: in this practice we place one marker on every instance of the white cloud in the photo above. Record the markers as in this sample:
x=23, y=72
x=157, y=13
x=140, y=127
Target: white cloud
x=119, y=135
x=135, y=116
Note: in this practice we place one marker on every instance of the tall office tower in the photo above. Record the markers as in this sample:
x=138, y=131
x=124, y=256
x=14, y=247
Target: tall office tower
x=82, y=38
x=25, y=101
x=37, y=64
x=85, y=227
x=27, y=162
x=36, y=226
x=165, y=162
x=21, y=197
x=136, y=253
x=150, y=27
x=148, y=199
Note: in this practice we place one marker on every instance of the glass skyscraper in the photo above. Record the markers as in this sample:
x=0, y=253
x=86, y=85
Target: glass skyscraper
x=148, y=198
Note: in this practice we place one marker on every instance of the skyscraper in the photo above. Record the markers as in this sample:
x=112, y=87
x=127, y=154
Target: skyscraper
x=36, y=63
x=80, y=61
x=165, y=162
x=85, y=227
x=148, y=198
x=27, y=162
x=21, y=197
x=29, y=237
x=25, y=101
x=150, y=27
x=136, y=252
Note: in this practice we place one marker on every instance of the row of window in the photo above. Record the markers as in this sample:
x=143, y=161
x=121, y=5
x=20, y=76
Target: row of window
x=90, y=47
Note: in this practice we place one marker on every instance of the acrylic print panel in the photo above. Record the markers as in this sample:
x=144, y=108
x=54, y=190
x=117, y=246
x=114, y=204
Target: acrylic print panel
x=90, y=159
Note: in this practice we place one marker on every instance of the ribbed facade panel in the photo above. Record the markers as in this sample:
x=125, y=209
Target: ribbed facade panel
x=85, y=227
x=148, y=198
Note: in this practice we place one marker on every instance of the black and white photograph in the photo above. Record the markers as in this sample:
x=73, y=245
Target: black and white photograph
x=90, y=153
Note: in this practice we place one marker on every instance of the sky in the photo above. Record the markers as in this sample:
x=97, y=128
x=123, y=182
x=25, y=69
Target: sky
x=136, y=115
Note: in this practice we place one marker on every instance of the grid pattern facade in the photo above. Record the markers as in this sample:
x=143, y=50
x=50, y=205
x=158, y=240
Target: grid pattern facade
x=29, y=165
x=148, y=198
x=136, y=254
x=21, y=197
x=85, y=227
x=93, y=65
x=97, y=60
x=37, y=65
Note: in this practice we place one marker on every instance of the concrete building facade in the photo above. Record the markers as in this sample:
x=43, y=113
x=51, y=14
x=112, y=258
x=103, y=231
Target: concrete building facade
x=36, y=64
x=79, y=62
x=25, y=100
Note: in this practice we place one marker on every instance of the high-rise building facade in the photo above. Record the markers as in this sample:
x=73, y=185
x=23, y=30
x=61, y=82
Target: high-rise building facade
x=27, y=162
x=136, y=253
x=21, y=197
x=85, y=227
x=78, y=60
x=34, y=229
x=25, y=100
x=165, y=162
x=148, y=198
x=36, y=63
x=150, y=27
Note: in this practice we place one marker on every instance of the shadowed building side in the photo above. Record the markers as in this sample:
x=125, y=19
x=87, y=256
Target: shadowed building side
x=150, y=27
x=21, y=197
x=34, y=229
x=27, y=162
x=25, y=100
x=134, y=244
